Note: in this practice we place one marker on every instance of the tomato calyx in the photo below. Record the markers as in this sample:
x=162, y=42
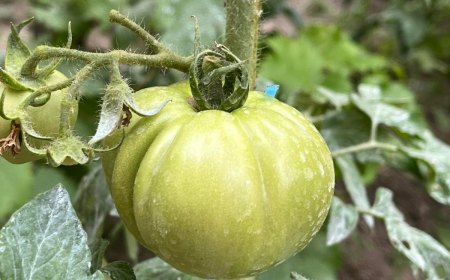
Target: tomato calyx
x=218, y=80
x=11, y=143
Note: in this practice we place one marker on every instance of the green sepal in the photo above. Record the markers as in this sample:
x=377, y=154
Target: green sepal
x=11, y=82
x=218, y=80
x=117, y=98
x=16, y=50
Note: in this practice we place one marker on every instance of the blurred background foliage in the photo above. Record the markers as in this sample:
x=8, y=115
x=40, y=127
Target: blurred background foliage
x=318, y=52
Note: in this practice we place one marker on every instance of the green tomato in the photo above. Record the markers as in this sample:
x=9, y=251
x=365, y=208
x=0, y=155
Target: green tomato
x=217, y=194
x=45, y=119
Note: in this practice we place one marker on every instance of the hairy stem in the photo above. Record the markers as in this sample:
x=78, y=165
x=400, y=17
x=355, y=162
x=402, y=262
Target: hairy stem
x=152, y=43
x=161, y=60
x=242, y=32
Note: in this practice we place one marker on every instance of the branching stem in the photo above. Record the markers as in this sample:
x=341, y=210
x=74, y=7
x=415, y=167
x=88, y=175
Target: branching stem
x=161, y=57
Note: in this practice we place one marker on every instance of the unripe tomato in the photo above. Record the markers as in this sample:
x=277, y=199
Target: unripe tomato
x=45, y=119
x=217, y=194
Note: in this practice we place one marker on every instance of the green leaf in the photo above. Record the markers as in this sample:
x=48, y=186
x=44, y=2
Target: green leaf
x=420, y=248
x=342, y=221
x=354, y=184
x=337, y=99
x=369, y=101
x=43, y=240
x=347, y=128
x=16, y=186
x=93, y=202
x=435, y=155
x=119, y=270
x=293, y=75
x=157, y=269
x=174, y=18
x=320, y=56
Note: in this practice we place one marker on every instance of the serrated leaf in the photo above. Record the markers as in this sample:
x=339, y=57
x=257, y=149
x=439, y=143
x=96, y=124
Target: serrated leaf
x=435, y=155
x=93, y=202
x=157, y=269
x=342, y=221
x=354, y=184
x=305, y=74
x=420, y=248
x=325, y=57
x=44, y=239
x=119, y=270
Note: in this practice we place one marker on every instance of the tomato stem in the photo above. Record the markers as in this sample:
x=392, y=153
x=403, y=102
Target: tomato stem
x=242, y=32
x=160, y=57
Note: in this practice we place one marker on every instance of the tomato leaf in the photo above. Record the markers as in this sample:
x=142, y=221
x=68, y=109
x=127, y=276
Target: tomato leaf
x=420, y=248
x=342, y=221
x=435, y=155
x=93, y=202
x=119, y=270
x=347, y=128
x=369, y=102
x=354, y=185
x=326, y=56
x=157, y=269
x=337, y=99
x=44, y=238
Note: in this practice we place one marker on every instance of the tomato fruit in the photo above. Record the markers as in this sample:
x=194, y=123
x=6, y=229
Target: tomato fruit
x=217, y=194
x=45, y=119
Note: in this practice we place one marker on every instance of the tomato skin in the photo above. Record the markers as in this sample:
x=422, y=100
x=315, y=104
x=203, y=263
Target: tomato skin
x=45, y=119
x=217, y=194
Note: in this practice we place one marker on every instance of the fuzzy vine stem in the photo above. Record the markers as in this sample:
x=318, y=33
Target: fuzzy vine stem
x=242, y=32
x=161, y=56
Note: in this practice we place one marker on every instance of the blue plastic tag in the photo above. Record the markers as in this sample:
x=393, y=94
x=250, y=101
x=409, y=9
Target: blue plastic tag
x=272, y=90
